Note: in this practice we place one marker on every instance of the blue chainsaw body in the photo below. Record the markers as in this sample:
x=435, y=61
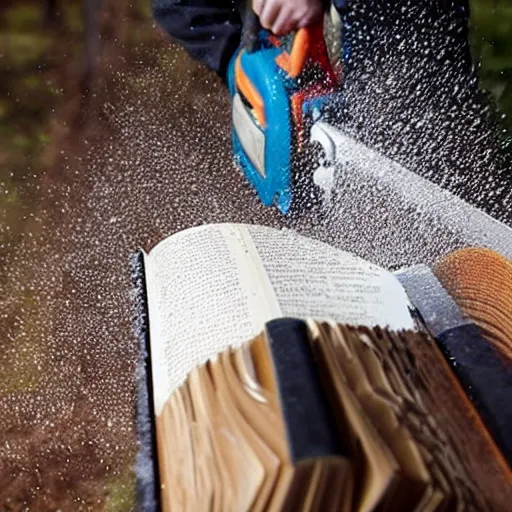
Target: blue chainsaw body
x=275, y=186
x=265, y=151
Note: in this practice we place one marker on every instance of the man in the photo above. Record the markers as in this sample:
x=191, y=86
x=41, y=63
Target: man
x=210, y=30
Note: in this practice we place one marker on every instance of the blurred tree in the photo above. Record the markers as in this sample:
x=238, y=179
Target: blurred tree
x=91, y=17
x=50, y=12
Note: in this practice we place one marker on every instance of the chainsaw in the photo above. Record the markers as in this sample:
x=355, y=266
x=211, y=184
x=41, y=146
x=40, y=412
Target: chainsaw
x=280, y=88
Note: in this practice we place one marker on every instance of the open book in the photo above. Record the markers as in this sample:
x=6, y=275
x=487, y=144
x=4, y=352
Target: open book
x=210, y=290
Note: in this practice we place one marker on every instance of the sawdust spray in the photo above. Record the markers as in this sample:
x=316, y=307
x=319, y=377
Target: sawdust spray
x=163, y=163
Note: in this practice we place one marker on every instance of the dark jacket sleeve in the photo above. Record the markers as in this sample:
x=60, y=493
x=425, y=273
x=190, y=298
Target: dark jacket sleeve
x=210, y=30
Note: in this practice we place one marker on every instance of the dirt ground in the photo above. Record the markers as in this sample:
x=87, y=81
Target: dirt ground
x=149, y=155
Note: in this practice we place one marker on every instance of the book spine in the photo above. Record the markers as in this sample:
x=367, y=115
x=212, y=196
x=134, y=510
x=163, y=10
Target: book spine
x=146, y=465
x=311, y=426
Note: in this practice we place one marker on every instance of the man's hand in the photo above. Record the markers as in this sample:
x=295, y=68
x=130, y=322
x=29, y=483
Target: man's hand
x=284, y=16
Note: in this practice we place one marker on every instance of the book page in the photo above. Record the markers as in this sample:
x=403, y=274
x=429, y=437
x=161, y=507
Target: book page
x=212, y=287
x=205, y=293
x=312, y=279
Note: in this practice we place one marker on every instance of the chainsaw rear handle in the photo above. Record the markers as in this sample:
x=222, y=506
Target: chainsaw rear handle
x=305, y=43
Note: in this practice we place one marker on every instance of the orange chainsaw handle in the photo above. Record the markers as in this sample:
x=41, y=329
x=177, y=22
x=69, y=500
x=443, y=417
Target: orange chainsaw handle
x=249, y=91
x=305, y=41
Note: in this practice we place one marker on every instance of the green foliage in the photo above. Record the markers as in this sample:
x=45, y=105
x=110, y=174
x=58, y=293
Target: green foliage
x=491, y=42
x=5, y=109
x=73, y=16
x=121, y=492
x=25, y=372
x=25, y=353
x=22, y=17
x=26, y=99
x=21, y=50
x=21, y=141
x=143, y=8
x=9, y=197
